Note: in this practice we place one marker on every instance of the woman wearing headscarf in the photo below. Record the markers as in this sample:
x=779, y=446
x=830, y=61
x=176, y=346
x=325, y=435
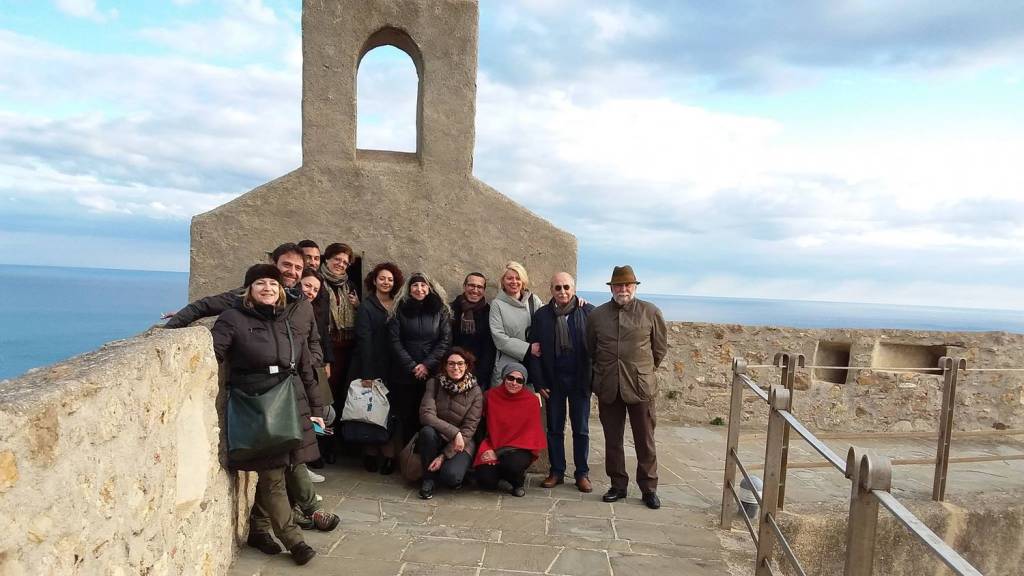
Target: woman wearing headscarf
x=511, y=313
x=450, y=412
x=514, y=433
x=373, y=346
x=336, y=304
x=420, y=329
x=264, y=339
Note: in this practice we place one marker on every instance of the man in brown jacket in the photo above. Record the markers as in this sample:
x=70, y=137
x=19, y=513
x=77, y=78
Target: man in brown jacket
x=627, y=342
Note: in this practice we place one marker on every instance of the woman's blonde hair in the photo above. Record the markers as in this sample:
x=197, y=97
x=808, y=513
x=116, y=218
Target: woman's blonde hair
x=282, y=298
x=518, y=269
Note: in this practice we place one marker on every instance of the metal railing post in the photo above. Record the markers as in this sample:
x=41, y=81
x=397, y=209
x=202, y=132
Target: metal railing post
x=739, y=366
x=951, y=368
x=866, y=474
x=789, y=363
x=778, y=399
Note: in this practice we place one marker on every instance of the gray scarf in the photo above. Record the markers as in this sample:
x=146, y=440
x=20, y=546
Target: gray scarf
x=563, y=341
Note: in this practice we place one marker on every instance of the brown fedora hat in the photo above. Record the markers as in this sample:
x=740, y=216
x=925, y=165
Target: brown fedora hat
x=623, y=275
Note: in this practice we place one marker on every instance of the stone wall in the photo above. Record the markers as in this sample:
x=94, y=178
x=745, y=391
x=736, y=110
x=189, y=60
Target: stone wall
x=110, y=463
x=695, y=378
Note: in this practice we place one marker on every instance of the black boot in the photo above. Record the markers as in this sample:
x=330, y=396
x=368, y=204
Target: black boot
x=263, y=542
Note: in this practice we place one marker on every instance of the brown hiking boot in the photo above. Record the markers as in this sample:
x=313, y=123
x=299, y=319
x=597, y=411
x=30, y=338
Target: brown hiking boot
x=552, y=480
x=583, y=484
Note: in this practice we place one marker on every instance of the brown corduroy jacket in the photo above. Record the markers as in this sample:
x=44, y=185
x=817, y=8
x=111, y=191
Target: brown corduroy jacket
x=627, y=344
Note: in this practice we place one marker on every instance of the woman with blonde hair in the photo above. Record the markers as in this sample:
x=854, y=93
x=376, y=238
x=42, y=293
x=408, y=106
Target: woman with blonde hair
x=265, y=341
x=511, y=313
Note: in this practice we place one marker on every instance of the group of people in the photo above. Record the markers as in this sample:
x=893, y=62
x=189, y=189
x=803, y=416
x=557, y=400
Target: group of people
x=465, y=379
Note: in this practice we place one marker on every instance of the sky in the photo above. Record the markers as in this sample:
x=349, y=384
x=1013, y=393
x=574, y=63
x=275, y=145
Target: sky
x=854, y=150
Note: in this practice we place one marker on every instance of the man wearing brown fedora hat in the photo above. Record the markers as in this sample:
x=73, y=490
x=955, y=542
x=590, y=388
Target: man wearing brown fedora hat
x=627, y=340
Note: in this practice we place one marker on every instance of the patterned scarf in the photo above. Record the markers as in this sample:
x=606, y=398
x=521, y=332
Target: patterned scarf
x=563, y=340
x=343, y=315
x=468, y=310
x=457, y=386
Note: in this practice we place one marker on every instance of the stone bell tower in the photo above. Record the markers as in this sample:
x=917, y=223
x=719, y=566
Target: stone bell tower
x=423, y=210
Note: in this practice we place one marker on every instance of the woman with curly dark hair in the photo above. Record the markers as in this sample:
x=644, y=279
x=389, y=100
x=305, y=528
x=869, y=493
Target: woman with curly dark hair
x=373, y=358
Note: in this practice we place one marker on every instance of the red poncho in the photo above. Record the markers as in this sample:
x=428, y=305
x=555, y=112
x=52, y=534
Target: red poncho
x=513, y=421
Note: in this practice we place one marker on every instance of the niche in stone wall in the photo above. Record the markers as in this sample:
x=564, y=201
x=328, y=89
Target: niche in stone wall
x=832, y=354
x=917, y=357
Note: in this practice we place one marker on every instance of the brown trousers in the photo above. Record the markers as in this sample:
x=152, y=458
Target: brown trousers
x=641, y=420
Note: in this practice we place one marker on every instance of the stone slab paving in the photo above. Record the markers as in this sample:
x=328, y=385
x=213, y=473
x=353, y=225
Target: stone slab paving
x=387, y=530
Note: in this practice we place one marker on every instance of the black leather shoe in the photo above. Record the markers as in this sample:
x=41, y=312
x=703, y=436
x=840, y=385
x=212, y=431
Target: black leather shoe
x=613, y=495
x=427, y=489
x=263, y=542
x=651, y=500
x=302, y=553
x=388, y=466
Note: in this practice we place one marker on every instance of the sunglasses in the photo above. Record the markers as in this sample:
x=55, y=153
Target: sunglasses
x=562, y=288
x=515, y=379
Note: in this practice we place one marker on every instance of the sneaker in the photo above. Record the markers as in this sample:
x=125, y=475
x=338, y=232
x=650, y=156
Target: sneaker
x=325, y=521
x=263, y=542
x=301, y=520
x=314, y=477
x=302, y=553
x=319, y=498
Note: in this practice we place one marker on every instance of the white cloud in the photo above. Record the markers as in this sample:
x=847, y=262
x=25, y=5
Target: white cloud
x=86, y=9
x=619, y=23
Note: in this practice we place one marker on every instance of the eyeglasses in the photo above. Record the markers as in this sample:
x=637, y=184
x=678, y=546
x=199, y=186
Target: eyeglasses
x=456, y=363
x=515, y=379
x=562, y=288
x=476, y=286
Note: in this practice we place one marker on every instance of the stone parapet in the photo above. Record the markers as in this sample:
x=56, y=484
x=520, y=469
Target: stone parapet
x=695, y=377
x=110, y=463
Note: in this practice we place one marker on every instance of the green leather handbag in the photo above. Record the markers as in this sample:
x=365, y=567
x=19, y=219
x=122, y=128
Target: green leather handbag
x=264, y=423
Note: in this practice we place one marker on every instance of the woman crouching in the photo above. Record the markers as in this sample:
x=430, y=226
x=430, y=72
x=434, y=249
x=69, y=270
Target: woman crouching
x=265, y=341
x=514, y=434
x=450, y=411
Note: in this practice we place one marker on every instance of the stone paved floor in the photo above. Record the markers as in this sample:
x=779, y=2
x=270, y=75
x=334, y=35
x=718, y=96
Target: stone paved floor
x=386, y=529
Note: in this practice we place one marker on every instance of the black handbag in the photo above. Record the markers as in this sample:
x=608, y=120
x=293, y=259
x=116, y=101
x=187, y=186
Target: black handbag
x=266, y=422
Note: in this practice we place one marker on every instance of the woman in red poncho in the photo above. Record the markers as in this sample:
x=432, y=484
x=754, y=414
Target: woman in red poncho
x=514, y=434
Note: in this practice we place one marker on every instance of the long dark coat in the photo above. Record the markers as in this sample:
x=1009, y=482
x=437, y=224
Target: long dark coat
x=479, y=343
x=542, y=330
x=373, y=341
x=251, y=341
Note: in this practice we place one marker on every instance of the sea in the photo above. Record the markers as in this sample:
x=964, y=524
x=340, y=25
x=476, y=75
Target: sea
x=48, y=314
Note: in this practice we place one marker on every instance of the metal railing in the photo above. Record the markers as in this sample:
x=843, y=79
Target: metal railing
x=870, y=476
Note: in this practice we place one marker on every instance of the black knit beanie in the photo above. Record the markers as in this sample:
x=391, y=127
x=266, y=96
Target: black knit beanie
x=258, y=271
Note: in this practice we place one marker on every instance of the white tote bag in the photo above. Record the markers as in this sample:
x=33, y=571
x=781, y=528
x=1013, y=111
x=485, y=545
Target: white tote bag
x=367, y=404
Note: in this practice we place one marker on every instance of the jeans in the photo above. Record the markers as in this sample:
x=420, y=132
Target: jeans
x=578, y=400
x=453, y=470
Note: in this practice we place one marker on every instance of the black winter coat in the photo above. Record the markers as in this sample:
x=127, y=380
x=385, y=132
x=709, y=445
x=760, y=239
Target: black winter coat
x=542, y=329
x=373, y=341
x=251, y=342
x=420, y=332
x=479, y=343
x=219, y=303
